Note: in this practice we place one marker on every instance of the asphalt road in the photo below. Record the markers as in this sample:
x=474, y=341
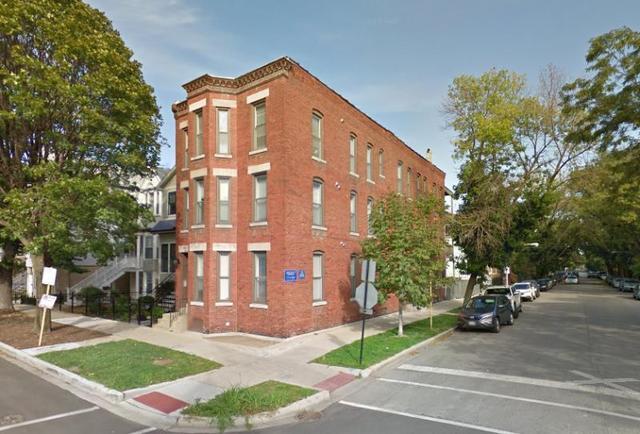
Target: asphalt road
x=570, y=364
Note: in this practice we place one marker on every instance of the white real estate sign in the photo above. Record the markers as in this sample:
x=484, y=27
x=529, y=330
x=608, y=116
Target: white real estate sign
x=47, y=301
x=49, y=276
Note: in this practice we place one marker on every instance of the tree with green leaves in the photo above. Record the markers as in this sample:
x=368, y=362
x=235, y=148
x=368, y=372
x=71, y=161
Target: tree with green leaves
x=408, y=247
x=514, y=157
x=78, y=124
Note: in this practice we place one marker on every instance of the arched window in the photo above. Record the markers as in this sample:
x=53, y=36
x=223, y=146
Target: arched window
x=317, y=202
x=353, y=217
x=316, y=135
x=369, y=212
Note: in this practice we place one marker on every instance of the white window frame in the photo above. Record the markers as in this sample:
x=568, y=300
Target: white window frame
x=224, y=276
x=399, y=169
x=317, y=149
x=199, y=133
x=353, y=154
x=259, y=105
x=317, y=286
x=369, y=213
x=259, y=280
x=223, y=203
x=317, y=182
x=186, y=156
x=198, y=277
x=259, y=202
x=198, y=217
x=353, y=211
x=381, y=163
x=220, y=133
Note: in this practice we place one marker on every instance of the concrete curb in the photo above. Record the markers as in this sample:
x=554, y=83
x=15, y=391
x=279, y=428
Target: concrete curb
x=49, y=370
x=261, y=420
x=364, y=373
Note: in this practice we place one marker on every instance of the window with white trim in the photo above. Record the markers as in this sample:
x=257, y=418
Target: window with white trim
x=318, y=274
x=259, y=126
x=185, y=136
x=353, y=152
x=224, y=204
x=381, y=162
x=199, y=134
x=223, y=146
x=399, y=178
x=316, y=136
x=198, y=287
x=224, y=276
x=185, y=208
x=353, y=262
x=171, y=203
x=199, y=215
x=353, y=217
x=260, y=197
x=369, y=213
x=409, y=174
x=369, y=160
x=168, y=257
x=260, y=277
x=317, y=202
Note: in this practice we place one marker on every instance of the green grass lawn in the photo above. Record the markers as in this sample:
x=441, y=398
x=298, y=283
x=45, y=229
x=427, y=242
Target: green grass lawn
x=128, y=364
x=245, y=402
x=384, y=345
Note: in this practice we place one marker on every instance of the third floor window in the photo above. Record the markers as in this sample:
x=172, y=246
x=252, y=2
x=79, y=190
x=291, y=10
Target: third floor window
x=316, y=135
x=223, y=132
x=318, y=203
x=353, y=152
x=199, y=138
x=259, y=126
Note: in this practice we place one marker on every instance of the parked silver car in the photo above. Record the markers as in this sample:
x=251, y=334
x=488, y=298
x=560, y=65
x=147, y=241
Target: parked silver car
x=514, y=297
x=628, y=285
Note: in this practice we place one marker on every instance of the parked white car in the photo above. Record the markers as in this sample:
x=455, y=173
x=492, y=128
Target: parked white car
x=514, y=297
x=571, y=278
x=525, y=289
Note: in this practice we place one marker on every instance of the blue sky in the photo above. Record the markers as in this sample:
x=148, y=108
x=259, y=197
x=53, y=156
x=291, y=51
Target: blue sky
x=394, y=59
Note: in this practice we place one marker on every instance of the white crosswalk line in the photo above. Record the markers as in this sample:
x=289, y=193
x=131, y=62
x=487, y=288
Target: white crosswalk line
x=514, y=398
x=427, y=418
x=48, y=418
x=590, y=379
x=143, y=431
x=568, y=385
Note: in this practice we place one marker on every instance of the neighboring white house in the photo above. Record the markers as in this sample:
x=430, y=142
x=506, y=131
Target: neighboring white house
x=454, y=256
x=153, y=258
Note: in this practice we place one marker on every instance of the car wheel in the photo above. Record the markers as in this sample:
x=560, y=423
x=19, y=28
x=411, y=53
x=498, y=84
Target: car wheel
x=510, y=320
x=517, y=313
x=496, y=325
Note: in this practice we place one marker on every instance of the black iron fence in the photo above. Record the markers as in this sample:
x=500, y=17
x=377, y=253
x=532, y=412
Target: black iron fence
x=145, y=310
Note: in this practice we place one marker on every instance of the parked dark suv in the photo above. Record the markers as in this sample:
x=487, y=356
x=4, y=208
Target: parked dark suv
x=486, y=312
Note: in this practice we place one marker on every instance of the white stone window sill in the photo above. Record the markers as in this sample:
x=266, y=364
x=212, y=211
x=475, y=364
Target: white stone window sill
x=319, y=160
x=354, y=234
x=197, y=226
x=319, y=303
x=382, y=176
x=370, y=236
x=257, y=151
x=371, y=181
x=257, y=224
x=353, y=299
x=221, y=226
x=355, y=175
x=223, y=303
x=199, y=157
x=197, y=303
x=223, y=155
x=185, y=169
x=184, y=231
x=318, y=228
x=258, y=306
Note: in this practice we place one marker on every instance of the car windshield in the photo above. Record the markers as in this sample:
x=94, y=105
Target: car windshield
x=521, y=286
x=497, y=291
x=481, y=304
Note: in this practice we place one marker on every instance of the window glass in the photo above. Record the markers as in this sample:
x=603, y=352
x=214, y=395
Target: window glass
x=317, y=276
x=186, y=148
x=352, y=212
x=260, y=198
x=352, y=154
x=199, y=277
x=224, y=216
x=369, y=212
x=317, y=203
x=199, y=142
x=369, y=162
x=260, y=277
x=171, y=203
x=399, y=178
x=316, y=135
x=381, y=162
x=224, y=273
x=259, y=127
x=352, y=274
x=199, y=218
x=223, y=132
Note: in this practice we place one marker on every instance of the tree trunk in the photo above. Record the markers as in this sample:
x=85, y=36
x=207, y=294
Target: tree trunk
x=473, y=278
x=37, y=264
x=6, y=277
x=400, y=324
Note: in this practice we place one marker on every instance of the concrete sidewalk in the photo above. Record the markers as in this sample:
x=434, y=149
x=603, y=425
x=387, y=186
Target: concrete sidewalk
x=246, y=359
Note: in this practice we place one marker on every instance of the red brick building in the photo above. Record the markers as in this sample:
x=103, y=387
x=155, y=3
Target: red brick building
x=276, y=173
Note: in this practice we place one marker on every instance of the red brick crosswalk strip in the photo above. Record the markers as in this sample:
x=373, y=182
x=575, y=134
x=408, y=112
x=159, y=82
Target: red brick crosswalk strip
x=335, y=382
x=161, y=402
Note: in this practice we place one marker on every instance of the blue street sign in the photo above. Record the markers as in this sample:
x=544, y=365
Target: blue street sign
x=301, y=274
x=290, y=275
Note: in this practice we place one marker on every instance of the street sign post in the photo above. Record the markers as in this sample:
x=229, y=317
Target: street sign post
x=366, y=296
x=507, y=271
x=47, y=301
